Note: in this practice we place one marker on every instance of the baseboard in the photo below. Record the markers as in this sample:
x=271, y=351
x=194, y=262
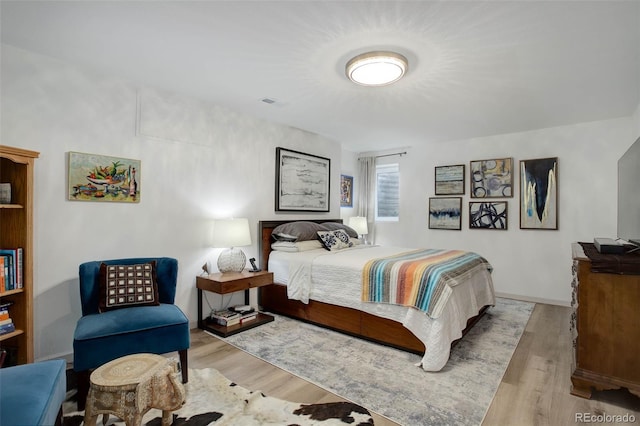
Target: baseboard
x=533, y=299
x=67, y=356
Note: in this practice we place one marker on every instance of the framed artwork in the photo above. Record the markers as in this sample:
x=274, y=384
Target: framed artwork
x=94, y=177
x=302, y=181
x=539, y=193
x=492, y=178
x=450, y=180
x=445, y=213
x=488, y=215
x=346, y=191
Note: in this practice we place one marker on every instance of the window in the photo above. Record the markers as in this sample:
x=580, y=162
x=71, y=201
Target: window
x=387, y=192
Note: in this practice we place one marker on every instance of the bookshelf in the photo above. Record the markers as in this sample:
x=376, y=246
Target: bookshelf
x=16, y=230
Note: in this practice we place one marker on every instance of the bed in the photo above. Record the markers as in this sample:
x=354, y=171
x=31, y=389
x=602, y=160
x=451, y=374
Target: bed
x=332, y=296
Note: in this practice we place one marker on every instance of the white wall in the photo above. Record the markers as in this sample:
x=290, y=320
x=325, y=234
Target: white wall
x=199, y=162
x=636, y=120
x=530, y=264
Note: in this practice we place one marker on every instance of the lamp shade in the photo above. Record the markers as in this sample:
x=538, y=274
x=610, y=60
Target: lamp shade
x=231, y=233
x=359, y=224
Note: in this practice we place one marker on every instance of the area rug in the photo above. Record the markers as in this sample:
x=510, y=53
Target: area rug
x=388, y=381
x=212, y=399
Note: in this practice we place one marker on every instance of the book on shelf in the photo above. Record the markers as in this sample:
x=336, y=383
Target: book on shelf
x=7, y=328
x=2, y=276
x=12, y=264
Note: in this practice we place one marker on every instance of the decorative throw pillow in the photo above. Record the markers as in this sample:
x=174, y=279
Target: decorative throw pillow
x=335, y=240
x=123, y=286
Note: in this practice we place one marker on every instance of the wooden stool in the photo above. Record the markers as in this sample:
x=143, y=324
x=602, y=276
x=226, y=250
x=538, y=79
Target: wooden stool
x=130, y=386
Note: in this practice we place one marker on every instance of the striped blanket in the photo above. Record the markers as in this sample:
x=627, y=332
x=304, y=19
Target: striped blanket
x=422, y=279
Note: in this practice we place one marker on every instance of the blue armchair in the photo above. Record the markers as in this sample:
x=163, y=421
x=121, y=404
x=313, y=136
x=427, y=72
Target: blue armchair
x=103, y=337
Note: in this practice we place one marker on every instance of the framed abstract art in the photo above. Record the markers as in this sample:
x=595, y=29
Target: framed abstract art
x=445, y=213
x=539, y=193
x=491, y=178
x=488, y=215
x=449, y=180
x=302, y=181
x=346, y=191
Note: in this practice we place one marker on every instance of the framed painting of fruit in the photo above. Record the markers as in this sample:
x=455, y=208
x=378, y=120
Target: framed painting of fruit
x=94, y=177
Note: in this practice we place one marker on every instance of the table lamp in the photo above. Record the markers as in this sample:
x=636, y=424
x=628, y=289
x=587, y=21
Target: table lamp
x=359, y=224
x=231, y=234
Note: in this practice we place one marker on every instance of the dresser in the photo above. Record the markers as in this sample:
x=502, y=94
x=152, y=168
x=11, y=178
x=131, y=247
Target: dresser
x=605, y=322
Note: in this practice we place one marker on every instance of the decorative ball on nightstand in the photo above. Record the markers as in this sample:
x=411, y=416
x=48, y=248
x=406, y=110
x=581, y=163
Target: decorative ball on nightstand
x=232, y=260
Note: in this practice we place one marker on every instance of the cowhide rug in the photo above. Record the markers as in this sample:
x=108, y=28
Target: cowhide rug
x=212, y=399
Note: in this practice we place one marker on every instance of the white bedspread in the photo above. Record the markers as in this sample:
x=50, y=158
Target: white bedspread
x=336, y=278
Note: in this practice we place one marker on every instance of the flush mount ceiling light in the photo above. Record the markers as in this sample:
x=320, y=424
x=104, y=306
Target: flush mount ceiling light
x=376, y=68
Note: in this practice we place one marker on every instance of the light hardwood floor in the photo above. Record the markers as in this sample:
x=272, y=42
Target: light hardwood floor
x=533, y=391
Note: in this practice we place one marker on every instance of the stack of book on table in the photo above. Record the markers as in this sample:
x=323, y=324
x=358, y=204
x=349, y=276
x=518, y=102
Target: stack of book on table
x=228, y=317
x=6, y=323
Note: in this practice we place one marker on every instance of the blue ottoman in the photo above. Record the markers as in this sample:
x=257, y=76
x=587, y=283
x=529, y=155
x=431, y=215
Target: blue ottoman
x=32, y=394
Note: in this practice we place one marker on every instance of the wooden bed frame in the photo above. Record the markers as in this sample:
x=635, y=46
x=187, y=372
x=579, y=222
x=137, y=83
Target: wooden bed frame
x=273, y=298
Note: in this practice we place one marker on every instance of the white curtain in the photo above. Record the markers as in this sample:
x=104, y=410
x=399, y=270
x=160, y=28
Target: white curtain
x=366, y=193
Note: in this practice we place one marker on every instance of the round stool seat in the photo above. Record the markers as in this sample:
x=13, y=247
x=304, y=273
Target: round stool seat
x=127, y=371
x=130, y=386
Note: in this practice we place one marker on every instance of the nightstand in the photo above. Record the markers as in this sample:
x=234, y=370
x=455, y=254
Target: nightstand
x=231, y=282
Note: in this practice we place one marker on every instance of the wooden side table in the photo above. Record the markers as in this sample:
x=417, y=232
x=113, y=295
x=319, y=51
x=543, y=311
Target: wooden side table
x=231, y=282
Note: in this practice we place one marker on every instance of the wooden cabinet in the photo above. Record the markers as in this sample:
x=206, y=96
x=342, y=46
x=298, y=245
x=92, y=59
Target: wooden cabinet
x=606, y=327
x=231, y=282
x=16, y=231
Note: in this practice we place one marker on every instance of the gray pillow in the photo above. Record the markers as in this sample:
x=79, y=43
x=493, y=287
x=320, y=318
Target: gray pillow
x=297, y=231
x=332, y=226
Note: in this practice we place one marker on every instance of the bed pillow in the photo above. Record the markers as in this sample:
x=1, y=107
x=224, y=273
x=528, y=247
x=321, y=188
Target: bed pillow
x=332, y=226
x=123, y=286
x=290, y=246
x=297, y=231
x=335, y=240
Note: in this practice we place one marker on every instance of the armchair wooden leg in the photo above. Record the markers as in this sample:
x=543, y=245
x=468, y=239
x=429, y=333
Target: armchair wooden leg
x=184, y=365
x=83, y=388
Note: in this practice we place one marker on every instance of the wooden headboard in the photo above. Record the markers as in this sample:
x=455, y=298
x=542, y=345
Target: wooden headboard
x=266, y=227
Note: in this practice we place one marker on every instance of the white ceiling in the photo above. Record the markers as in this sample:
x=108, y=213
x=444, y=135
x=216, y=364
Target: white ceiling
x=476, y=68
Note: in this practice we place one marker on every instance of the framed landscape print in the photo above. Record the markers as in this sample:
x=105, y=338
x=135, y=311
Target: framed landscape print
x=346, y=191
x=302, y=181
x=94, y=177
x=449, y=180
x=539, y=193
x=445, y=213
x=488, y=215
x=491, y=178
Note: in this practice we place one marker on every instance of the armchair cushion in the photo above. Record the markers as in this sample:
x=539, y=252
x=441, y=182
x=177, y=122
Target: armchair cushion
x=122, y=286
x=100, y=338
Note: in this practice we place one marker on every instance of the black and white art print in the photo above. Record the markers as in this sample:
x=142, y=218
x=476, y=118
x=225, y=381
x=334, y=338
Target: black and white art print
x=488, y=215
x=302, y=181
